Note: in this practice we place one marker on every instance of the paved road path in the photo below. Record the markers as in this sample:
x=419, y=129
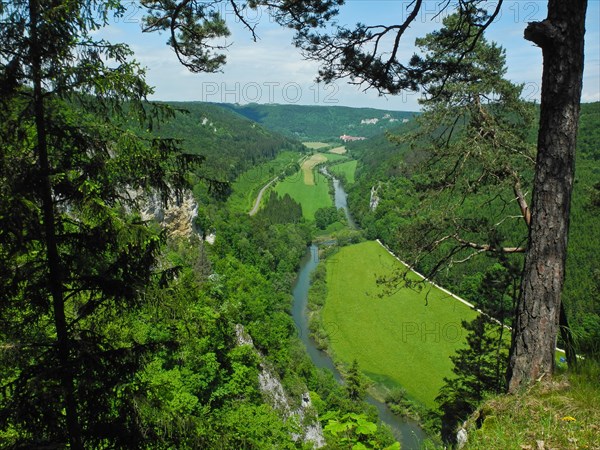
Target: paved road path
x=254, y=209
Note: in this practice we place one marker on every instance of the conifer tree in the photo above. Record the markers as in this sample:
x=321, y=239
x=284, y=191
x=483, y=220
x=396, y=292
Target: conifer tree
x=355, y=384
x=74, y=253
x=478, y=370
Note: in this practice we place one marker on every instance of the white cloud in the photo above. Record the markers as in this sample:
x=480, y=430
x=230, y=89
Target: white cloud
x=272, y=69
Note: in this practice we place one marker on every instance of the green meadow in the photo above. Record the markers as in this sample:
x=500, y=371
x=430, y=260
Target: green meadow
x=346, y=169
x=311, y=197
x=400, y=339
x=246, y=187
x=333, y=157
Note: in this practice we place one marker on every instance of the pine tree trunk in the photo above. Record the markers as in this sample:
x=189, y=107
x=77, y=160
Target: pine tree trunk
x=561, y=38
x=54, y=264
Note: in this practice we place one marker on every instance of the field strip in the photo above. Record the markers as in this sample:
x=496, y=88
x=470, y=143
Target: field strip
x=309, y=165
x=314, y=145
x=338, y=150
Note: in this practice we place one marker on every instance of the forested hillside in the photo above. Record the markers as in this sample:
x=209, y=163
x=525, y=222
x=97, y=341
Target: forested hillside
x=321, y=123
x=148, y=296
x=230, y=142
x=582, y=284
x=173, y=342
x=390, y=176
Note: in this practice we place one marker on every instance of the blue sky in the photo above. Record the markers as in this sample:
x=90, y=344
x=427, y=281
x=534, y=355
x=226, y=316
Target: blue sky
x=272, y=70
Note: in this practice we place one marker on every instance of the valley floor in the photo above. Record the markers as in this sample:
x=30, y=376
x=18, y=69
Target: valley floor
x=401, y=337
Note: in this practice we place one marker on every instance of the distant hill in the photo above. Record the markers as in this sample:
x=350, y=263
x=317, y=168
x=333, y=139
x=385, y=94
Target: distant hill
x=321, y=123
x=231, y=142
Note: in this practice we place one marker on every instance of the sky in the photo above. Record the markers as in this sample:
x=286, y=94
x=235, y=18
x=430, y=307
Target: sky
x=272, y=70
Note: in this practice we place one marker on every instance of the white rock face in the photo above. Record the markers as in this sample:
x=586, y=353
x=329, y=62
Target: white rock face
x=176, y=217
x=313, y=432
x=241, y=337
x=461, y=438
x=275, y=395
x=372, y=121
x=273, y=390
x=374, y=200
x=179, y=219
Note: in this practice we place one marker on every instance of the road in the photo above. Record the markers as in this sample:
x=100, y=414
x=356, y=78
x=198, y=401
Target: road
x=254, y=209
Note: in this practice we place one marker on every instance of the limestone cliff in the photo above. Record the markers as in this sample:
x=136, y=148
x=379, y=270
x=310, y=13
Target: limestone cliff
x=274, y=394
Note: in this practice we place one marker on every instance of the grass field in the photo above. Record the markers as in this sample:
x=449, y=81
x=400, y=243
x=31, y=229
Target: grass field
x=338, y=150
x=400, y=340
x=246, y=187
x=333, y=157
x=347, y=169
x=315, y=145
x=308, y=167
x=311, y=197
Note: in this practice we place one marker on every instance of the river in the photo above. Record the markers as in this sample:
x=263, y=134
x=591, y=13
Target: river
x=408, y=433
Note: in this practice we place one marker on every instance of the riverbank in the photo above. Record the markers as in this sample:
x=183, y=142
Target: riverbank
x=407, y=432
x=400, y=337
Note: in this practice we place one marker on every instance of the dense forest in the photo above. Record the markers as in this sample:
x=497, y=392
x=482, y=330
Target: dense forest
x=170, y=363
x=175, y=369
x=116, y=332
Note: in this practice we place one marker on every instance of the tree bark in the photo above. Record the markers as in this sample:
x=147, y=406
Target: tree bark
x=561, y=38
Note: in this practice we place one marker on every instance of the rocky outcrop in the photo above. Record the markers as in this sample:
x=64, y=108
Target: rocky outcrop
x=461, y=437
x=177, y=217
x=313, y=432
x=374, y=200
x=274, y=394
